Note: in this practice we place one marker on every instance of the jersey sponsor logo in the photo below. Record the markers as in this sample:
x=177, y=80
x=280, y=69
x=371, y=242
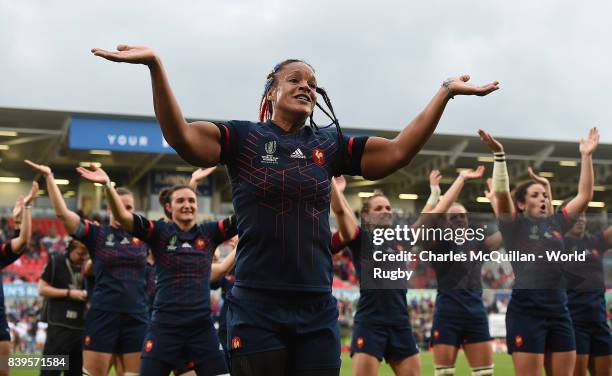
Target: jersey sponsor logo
x=125, y=241
x=518, y=341
x=318, y=156
x=172, y=244
x=269, y=158
x=359, y=342
x=186, y=245
x=110, y=240
x=200, y=243
x=236, y=343
x=148, y=345
x=87, y=340
x=297, y=154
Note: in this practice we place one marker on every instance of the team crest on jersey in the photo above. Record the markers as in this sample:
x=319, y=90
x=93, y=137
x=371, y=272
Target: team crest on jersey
x=172, y=244
x=110, y=240
x=595, y=253
x=87, y=340
x=269, y=158
x=436, y=334
x=236, y=343
x=190, y=364
x=518, y=341
x=135, y=241
x=200, y=243
x=359, y=342
x=148, y=345
x=318, y=156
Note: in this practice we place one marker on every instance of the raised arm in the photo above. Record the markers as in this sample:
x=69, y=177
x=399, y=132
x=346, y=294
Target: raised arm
x=197, y=142
x=585, y=185
x=434, y=185
x=382, y=156
x=23, y=213
x=490, y=195
x=501, y=180
x=347, y=223
x=120, y=213
x=198, y=175
x=69, y=218
x=546, y=184
x=452, y=194
x=220, y=269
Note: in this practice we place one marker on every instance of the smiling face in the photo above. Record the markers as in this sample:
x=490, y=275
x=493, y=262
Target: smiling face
x=183, y=205
x=534, y=202
x=294, y=91
x=379, y=212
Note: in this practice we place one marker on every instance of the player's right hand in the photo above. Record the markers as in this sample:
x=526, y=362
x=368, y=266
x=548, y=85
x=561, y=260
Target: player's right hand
x=128, y=54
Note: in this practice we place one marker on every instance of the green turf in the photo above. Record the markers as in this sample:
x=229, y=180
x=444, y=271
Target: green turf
x=503, y=366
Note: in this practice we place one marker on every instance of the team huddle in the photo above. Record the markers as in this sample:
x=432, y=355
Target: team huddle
x=150, y=309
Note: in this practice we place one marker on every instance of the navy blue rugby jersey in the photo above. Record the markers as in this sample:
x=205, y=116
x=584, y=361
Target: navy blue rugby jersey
x=281, y=194
x=225, y=284
x=588, y=304
x=119, y=267
x=7, y=257
x=459, y=282
x=150, y=285
x=539, y=285
x=377, y=306
x=182, y=267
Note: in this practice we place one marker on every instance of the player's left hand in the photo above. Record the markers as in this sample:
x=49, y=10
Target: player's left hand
x=460, y=86
x=96, y=175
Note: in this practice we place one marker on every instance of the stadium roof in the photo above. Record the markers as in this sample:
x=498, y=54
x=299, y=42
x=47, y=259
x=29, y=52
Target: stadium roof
x=43, y=137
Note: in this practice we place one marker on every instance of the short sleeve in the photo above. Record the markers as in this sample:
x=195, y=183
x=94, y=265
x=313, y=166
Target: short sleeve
x=229, y=141
x=351, y=153
x=145, y=229
x=563, y=220
x=87, y=233
x=7, y=256
x=227, y=228
x=47, y=273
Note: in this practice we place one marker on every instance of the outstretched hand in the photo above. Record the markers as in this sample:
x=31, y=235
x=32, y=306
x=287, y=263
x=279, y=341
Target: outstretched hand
x=127, y=54
x=435, y=177
x=202, y=173
x=339, y=182
x=589, y=144
x=537, y=178
x=494, y=145
x=45, y=170
x=460, y=86
x=96, y=175
x=32, y=195
x=473, y=174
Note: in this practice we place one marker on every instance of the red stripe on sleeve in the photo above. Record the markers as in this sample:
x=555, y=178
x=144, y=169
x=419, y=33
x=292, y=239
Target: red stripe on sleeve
x=86, y=222
x=4, y=248
x=227, y=138
x=350, y=147
x=222, y=228
x=565, y=215
x=151, y=227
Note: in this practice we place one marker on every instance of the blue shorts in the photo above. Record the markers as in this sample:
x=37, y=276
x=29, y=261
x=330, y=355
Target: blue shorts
x=304, y=324
x=539, y=335
x=185, y=347
x=384, y=341
x=457, y=331
x=114, y=332
x=593, y=338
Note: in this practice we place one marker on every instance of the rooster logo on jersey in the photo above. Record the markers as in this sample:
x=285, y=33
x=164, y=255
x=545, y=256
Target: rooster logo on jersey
x=318, y=156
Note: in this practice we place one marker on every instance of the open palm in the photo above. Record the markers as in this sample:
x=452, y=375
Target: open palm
x=127, y=54
x=460, y=86
x=96, y=175
x=45, y=170
x=493, y=145
x=473, y=174
x=589, y=144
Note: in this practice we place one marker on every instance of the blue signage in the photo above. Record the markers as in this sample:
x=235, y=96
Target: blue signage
x=140, y=136
x=20, y=290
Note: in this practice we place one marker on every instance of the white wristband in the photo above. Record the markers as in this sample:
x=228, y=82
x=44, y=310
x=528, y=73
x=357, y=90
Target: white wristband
x=434, y=196
x=501, y=180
